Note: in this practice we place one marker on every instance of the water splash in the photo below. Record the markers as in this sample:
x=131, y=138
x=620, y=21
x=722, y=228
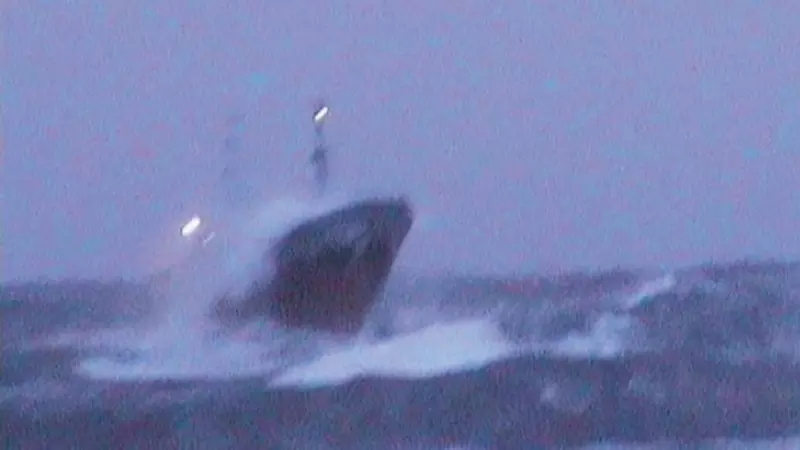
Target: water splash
x=181, y=340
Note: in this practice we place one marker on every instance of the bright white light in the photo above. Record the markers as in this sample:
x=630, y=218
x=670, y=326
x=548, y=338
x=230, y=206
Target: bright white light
x=191, y=226
x=320, y=115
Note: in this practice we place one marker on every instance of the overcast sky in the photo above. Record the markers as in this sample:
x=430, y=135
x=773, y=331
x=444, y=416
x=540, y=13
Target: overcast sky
x=539, y=134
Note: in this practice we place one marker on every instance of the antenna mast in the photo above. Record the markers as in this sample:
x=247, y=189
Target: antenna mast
x=319, y=158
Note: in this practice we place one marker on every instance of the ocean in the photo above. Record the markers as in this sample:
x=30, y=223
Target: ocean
x=698, y=357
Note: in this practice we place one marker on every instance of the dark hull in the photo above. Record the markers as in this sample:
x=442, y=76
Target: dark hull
x=329, y=270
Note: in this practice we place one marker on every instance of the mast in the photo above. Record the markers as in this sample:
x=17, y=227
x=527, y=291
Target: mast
x=319, y=157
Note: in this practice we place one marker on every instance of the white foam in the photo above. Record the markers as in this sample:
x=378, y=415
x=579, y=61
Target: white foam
x=177, y=362
x=432, y=351
x=611, y=333
x=649, y=290
x=607, y=338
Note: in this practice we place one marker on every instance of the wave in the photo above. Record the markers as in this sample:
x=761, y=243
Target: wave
x=618, y=356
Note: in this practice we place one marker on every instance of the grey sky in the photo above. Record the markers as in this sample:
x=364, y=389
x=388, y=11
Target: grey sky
x=541, y=134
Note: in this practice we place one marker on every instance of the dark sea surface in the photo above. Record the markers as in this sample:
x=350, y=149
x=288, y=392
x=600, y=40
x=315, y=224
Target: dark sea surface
x=704, y=357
